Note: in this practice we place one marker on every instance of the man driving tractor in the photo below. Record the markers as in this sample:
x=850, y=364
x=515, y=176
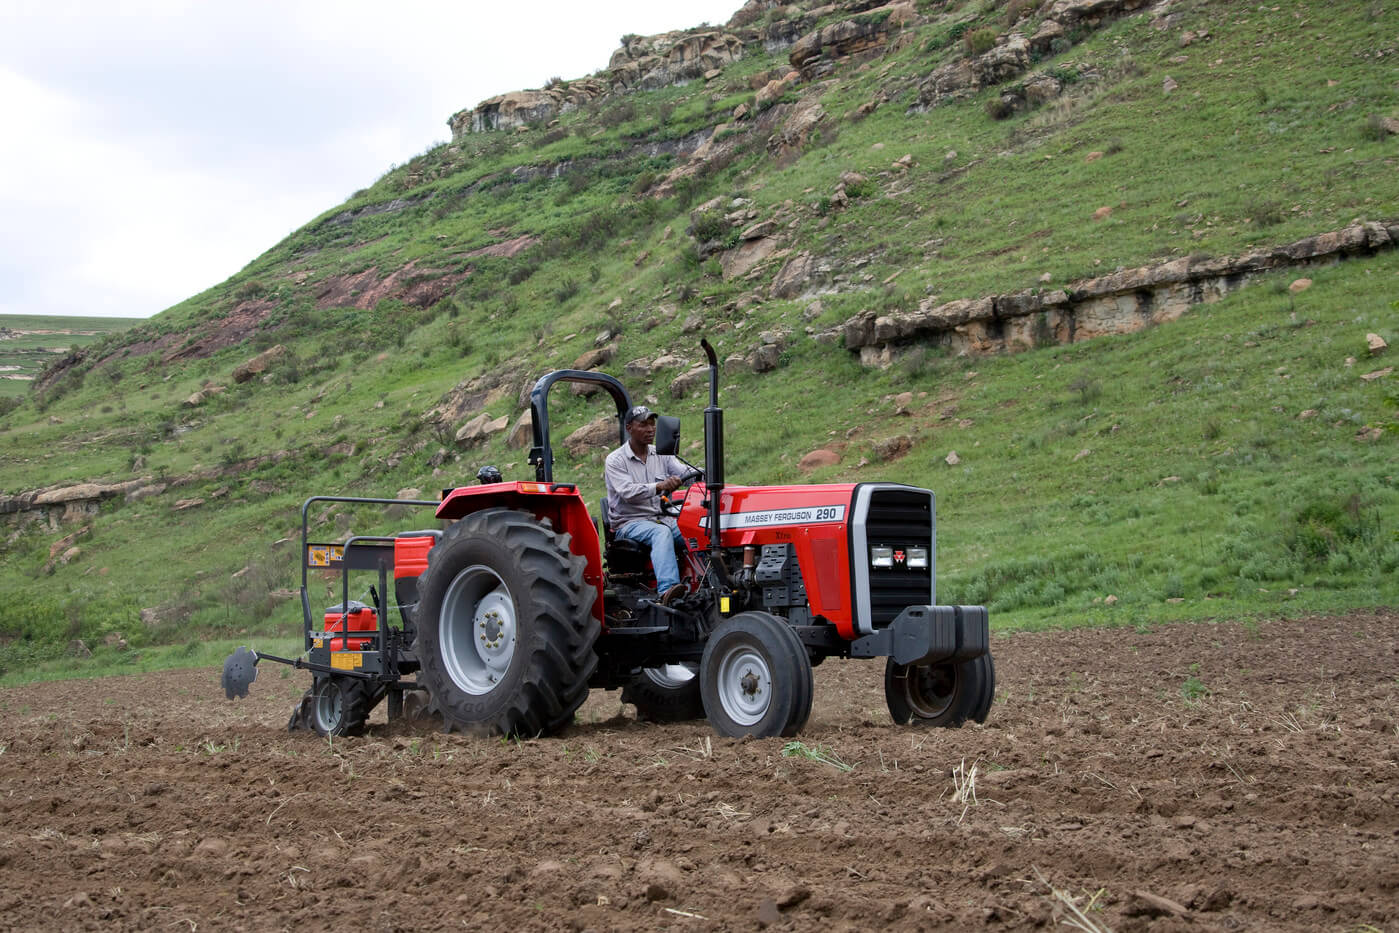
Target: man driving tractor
x=636, y=478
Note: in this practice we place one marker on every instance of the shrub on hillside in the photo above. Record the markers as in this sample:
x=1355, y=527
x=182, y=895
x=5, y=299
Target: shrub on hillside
x=979, y=41
x=709, y=225
x=617, y=115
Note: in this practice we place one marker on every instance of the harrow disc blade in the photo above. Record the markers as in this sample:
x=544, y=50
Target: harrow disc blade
x=239, y=671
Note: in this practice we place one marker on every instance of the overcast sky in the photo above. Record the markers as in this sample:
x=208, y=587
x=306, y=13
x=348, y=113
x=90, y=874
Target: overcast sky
x=149, y=150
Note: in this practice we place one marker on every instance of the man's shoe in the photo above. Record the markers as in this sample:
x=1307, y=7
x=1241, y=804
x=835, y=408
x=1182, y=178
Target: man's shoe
x=672, y=594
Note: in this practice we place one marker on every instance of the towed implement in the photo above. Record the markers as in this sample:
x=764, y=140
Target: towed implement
x=509, y=615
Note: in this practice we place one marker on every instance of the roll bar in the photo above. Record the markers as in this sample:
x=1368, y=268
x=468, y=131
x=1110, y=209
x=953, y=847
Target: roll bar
x=541, y=455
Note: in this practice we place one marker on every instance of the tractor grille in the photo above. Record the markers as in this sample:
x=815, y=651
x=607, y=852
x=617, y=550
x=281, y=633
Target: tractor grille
x=899, y=518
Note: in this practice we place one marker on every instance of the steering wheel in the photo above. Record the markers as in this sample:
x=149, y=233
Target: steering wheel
x=671, y=506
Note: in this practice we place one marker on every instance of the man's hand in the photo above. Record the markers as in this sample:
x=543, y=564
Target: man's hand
x=669, y=484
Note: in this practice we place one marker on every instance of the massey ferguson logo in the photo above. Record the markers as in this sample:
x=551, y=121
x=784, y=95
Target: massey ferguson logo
x=899, y=556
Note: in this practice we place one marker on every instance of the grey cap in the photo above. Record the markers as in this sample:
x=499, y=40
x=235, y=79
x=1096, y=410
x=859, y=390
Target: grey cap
x=640, y=413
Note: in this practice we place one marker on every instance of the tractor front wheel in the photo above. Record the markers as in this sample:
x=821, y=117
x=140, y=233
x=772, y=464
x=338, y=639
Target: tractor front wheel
x=755, y=677
x=669, y=693
x=945, y=694
x=506, y=633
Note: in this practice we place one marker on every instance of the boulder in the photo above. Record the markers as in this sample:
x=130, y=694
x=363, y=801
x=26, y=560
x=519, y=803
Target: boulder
x=759, y=230
x=794, y=277
x=67, y=541
x=741, y=260
x=480, y=428
x=600, y=432
x=773, y=90
x=892, y=448
x=521, y=433
x=667, y=361
x=592, y=359
x=1376, y=343
x=797, y=130
x=765, y=358
x=258, y=364
x=687, y=381
x=819, y=458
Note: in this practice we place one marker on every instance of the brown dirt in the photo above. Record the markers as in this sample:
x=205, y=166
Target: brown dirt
x=409, y=284
x=1271, y=801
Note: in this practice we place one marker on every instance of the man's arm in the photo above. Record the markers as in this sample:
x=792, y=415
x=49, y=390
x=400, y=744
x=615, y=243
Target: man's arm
x=620, y=483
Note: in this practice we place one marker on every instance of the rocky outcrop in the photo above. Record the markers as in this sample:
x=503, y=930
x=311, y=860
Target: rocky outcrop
x=1014, y=53
x=816, y=53
x=964, y=78
x=642, y=63
x=59, y=505
x=650, y=62
x=523, y=108
x=1121, y=302
x=799, y=275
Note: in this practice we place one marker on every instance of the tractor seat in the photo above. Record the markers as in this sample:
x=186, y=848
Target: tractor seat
x=623, y=557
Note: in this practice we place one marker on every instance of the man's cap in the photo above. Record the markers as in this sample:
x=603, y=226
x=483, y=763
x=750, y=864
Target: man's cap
x=640, y=413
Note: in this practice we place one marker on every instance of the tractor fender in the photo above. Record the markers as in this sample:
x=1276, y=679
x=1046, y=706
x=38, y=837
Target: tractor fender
x=560, y=503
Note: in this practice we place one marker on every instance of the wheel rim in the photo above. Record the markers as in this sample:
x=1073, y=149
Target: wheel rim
x=671, y=676
x=745, y=685
x=930, y=689
x=478, y=629
x=329, y=707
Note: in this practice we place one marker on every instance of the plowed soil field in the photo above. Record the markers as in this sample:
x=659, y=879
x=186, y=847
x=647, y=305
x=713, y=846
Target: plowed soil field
x=1186, y=777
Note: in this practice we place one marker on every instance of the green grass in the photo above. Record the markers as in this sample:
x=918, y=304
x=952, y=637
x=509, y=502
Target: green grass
x=109, y=662
x=1204, y=493
x=30, y=342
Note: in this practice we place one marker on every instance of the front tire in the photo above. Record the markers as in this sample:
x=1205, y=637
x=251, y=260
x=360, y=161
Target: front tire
x=945, y=694
x=506, y=634
x=755, y=677
x=669, y=693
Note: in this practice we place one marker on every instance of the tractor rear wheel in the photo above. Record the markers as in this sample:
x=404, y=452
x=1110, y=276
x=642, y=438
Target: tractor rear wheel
x=506, y=633
x=669, y=693
x=945, y=694
x=755, y=677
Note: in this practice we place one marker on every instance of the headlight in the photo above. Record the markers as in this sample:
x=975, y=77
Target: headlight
x=918, y=558
x=881, y=557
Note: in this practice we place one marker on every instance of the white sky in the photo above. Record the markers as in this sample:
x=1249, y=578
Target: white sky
x=151, y=148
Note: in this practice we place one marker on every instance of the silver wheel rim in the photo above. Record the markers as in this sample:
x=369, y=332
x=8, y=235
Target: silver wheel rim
x=922, y=686
x=745, y=685
x=329, y=707
x=478, y=630
x=671, y=676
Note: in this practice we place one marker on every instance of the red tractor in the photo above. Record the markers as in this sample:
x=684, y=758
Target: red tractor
x=523, y=604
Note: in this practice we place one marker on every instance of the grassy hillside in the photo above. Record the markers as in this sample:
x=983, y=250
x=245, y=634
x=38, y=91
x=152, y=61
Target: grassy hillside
x=30, y=342
x=1230, y=463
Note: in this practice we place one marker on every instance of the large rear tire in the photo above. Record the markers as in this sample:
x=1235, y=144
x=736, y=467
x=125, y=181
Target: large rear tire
x=946, y=694
x=669, y=693
x=506, y=634
x=755, y=677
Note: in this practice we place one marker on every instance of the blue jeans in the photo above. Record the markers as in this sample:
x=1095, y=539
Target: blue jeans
x=662, y=539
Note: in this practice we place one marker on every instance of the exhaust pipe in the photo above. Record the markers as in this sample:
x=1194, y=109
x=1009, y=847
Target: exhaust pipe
x=714, y=462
